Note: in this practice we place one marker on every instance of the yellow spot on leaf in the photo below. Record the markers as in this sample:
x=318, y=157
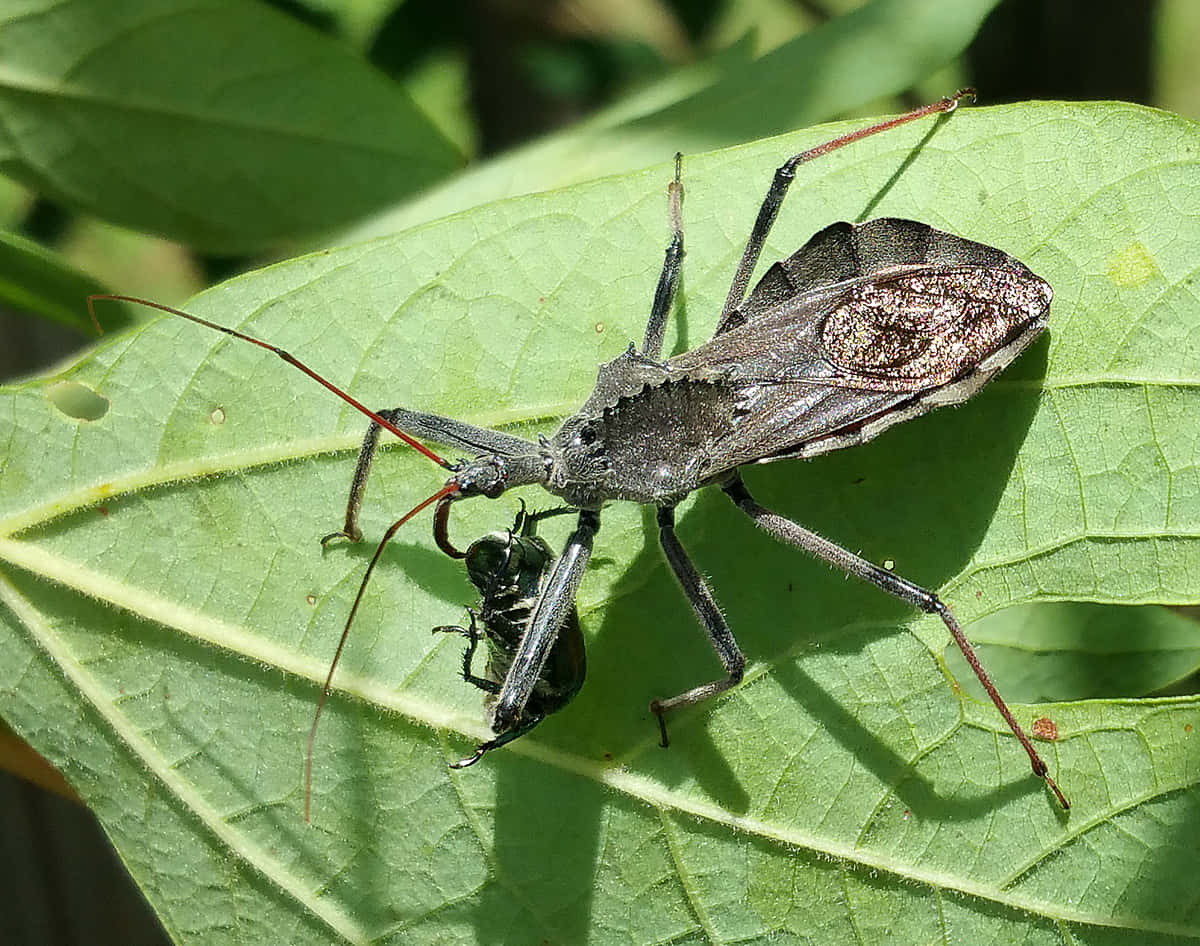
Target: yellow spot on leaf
x=1131, y=267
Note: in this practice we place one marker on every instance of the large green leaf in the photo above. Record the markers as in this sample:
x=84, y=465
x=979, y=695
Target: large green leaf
x=168, y=613
x=221, y=124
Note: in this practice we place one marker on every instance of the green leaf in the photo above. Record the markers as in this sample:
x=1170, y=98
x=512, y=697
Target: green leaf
x=168, y=613
x=881, y=49
x=224, y=125
x=39, y=281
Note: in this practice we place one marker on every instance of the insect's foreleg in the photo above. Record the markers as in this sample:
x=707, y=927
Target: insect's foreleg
x=794, y=534
x=711, y=618
x=434, y=427
x=502, y=740
x=784, y=175
x=668, y=279
x=358, y=485
x=552, y=608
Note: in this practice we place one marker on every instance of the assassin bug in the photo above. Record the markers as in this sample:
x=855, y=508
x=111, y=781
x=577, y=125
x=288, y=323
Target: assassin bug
x=865, y=326
x=510, y=568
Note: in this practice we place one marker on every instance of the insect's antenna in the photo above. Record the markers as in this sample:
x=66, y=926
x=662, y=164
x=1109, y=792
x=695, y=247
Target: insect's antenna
x=450, y=488
x=286, y=356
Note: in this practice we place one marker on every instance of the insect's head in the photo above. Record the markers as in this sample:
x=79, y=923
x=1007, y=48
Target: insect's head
x=488, y=475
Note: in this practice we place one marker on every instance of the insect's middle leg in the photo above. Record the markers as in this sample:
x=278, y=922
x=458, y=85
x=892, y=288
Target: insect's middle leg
x=711, y=619
x=819, y=547
x=668, y=279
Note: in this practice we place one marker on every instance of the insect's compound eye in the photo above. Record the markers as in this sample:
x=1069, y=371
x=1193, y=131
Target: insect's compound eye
x=587, y=435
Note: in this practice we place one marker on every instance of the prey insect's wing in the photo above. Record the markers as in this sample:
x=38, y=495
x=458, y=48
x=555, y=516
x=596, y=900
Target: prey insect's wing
x=864, y=327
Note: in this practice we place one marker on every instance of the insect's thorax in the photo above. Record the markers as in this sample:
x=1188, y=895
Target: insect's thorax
x=647, y=435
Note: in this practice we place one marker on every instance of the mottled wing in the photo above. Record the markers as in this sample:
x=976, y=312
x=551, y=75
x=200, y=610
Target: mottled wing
x=843, y=358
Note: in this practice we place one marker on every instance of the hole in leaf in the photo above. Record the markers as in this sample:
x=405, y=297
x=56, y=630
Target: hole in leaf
x=77, y=401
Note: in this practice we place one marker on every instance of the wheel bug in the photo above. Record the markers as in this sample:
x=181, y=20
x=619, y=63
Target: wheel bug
x=510, y=568
x=865, y=326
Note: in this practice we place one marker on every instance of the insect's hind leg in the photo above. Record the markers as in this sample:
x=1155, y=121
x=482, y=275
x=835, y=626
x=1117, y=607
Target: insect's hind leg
x=668, y=279
x=794, y=534
x=711, y=619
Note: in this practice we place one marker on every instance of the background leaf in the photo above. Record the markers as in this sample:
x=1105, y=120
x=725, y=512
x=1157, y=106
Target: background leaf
x=168, y=613
x=275, y=131
x=878, y=50
x=38, y=280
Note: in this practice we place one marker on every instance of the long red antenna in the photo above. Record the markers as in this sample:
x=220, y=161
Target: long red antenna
x=286, y=356
x=447, y=490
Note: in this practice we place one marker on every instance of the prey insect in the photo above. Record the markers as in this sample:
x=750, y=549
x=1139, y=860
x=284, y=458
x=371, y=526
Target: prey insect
x=865, y=326
x=509, y=569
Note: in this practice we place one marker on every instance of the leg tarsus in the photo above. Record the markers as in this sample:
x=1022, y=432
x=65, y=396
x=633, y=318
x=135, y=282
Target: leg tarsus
x=350, y=534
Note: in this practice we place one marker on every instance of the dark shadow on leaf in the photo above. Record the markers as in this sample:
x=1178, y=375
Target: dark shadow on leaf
x=436, y=573
x=878, y=196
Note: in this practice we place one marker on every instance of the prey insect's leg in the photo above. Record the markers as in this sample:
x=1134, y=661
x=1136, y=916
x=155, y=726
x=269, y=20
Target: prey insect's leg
x=668, y=279
x=472, y=635
x=502, y=740
x=783, y=180
x=551, y=610
x=787, y=531
x=477, y=440
x=711, y=618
